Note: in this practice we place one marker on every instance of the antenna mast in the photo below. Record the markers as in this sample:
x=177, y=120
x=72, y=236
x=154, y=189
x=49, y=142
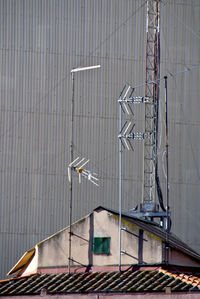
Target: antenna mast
x=149, y=208
x=152, y=107
x=72, y=161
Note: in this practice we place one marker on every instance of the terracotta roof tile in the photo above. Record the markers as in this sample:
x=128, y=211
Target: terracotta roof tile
x=187, y=278
x=133, y=280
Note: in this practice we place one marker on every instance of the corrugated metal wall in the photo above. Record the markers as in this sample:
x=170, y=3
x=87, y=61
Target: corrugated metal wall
x=40, y=42
x=182, y=49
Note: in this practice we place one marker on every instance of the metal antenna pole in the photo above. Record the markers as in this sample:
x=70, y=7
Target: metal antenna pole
x=167, y=153
x=80, y=69
x=70, y=183
x=120, y=186
x=167, y=174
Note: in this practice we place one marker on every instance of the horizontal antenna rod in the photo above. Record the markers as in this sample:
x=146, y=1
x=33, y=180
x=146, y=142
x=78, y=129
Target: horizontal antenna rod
x=86, y=68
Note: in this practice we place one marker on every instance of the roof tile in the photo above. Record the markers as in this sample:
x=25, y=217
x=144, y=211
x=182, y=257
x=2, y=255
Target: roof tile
x=133, y=280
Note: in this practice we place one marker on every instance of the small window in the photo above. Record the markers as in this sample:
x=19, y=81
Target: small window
x=101, y=245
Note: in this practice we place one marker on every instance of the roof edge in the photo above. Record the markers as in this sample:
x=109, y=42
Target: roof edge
x=154, y=228
x=23, y=263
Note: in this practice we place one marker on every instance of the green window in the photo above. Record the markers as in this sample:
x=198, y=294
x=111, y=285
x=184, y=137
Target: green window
x=101, y=245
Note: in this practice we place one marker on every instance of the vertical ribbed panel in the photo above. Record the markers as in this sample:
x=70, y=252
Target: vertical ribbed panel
x=181, y=49
x=40, y=42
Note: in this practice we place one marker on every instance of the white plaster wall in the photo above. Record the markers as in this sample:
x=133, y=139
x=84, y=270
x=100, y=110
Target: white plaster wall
x=107, y=224
x=54, y=251
x=152, y=249
x=32, y=267
x=130, y=243
x=80, y=242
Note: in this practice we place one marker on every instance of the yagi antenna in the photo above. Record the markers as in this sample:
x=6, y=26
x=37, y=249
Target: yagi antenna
x=77, y=165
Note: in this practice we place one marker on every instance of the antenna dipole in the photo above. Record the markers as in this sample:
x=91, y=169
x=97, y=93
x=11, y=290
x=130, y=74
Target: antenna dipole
x=126, y=136
x=77, y=165
x=149, y=209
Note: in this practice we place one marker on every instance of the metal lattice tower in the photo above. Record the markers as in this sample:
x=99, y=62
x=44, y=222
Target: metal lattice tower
x=149, y=208
x=151, y=108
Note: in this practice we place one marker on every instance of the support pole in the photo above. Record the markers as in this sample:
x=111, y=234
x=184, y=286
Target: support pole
x=79, y=69
x=167, y=153
x=167, y=174
x=120, y=186
x=70, y=184
x=151, y=92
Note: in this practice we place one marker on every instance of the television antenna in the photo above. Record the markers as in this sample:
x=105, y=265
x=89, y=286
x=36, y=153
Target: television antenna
x=87, y=173
x=77, y=166
x=149, y=208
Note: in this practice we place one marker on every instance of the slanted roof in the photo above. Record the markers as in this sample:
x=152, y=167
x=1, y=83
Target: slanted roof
x=23, y=263
x=154, y=228
x=27, y=257
x=131, y=281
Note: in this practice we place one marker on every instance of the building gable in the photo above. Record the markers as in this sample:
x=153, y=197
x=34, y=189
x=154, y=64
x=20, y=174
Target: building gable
x=95, y=243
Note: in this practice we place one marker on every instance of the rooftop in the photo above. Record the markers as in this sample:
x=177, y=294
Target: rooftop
x=133, y=280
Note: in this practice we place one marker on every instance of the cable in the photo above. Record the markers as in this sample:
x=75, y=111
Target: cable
x=116, y=29
x=186, y=26
x=163, y=155
x=169, y=75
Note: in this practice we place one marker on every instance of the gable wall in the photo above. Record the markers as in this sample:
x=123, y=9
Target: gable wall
x=152, y=249
x=139, y=246
x=176, y=257
x=134, y=241
x=54, y=251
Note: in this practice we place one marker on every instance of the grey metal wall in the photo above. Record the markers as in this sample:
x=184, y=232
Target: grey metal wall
x=40, y=42
x=181, y=40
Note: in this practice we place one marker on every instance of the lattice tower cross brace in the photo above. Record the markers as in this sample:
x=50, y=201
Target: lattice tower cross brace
x=152, y=92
